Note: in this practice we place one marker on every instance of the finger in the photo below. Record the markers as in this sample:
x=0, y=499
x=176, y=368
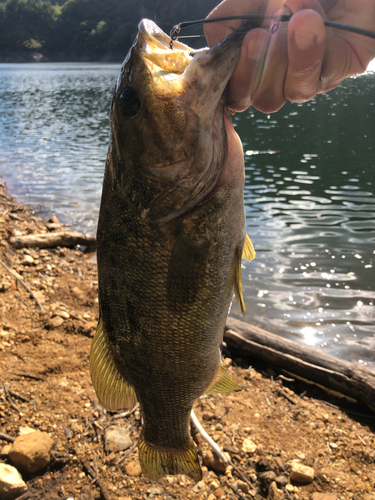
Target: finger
x=306, y=46
x=247, y=75
x=269, y=95
x=215, y=32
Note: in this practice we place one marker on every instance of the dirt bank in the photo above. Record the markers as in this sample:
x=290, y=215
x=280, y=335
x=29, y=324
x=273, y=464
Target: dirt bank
x=269, y=429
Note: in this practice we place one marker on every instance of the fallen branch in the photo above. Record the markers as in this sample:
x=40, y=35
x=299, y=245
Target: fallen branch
x=302, y=361
x=10, y=400
x=103, y=489
x=126, y=454
x=216, y=448
x=52, y=240
x=18, y=278
x=25, y=496
x=28, y=375
x=6, y=437
x=18, y=396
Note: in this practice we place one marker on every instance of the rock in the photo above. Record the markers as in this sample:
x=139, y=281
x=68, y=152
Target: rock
x=211, y=496
x=248, y=446
x=241, y=485
x=77, y=292
x=40, y=296
x=31, y=452
x=200, y=486
x=281, y=481
x=323, y=496
x=53, y=220
x=116, y=439
x=302, y=473
x=133, y=468
x=86, y=493
x=11, y=483
x=274, y=493
x=333, y=446
x=25, y=430
x=219, y=492
x=5, y=285
x=267, y=477
x=208, y=415
x=62, y=314
x=56, y=322
x=27, y=260
x=212, y=462
x=5, y=450
x=156, y=489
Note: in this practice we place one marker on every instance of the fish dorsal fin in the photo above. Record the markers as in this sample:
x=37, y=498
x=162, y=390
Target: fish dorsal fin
x=223, y=383
x=113, y=391
x=248, y=252
x=237, y=280
x=157, y=462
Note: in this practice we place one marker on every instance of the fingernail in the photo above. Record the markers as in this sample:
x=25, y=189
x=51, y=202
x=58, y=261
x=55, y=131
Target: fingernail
x=304, y=40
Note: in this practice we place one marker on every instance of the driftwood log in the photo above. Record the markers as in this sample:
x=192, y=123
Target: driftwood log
x=52, y=240
x=347, y=378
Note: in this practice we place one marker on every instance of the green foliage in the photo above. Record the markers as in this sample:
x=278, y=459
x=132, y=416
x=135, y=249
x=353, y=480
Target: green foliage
x=87, y=29
x=26, y=23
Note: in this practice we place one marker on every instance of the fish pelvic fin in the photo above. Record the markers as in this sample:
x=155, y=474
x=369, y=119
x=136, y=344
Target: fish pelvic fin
x=237, y=279
x=248, y=252
x=223, y=383
x=113, y=391
x=157, y=462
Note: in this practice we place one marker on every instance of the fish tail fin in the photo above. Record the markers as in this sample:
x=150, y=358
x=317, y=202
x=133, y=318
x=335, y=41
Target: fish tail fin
x=157, y=462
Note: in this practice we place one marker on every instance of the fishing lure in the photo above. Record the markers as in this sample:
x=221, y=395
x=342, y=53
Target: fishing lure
x=175, y=32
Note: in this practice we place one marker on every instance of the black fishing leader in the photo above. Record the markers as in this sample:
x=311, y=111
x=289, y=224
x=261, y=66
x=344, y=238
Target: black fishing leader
x=174, y=34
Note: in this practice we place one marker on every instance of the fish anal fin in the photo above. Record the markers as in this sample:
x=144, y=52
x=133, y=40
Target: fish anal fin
x=248, y=252
x=157, y=462
x=237, y=279
x=113, y=391
x=223, y=383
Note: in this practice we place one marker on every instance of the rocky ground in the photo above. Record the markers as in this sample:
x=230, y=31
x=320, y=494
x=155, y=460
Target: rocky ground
x=57, y=442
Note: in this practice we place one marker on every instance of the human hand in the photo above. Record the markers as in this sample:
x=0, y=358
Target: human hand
x=302, y=58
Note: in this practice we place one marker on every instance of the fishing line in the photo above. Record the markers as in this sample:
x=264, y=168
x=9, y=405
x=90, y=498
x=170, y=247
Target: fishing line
x=174, y=34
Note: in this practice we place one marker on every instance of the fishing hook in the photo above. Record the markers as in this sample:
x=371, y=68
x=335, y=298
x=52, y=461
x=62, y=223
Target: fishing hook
x=175, y=32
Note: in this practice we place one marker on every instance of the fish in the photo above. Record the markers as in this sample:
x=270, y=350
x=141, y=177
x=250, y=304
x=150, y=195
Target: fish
x=170, y=238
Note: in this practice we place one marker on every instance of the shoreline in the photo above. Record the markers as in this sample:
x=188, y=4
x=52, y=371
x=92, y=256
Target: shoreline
x=272, y=427
x=38, y=57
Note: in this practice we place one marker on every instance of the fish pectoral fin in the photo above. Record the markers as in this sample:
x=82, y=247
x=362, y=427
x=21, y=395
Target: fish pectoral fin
x=248, y=252
x=158, y=462
x=113, y=391
x=237, y=279
x=223, y=383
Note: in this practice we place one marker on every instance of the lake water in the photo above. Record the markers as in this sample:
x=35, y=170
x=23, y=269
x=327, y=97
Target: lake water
x=310, y=192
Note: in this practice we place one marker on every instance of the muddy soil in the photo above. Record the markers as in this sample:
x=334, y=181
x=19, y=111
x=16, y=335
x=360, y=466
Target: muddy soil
x=268, y=429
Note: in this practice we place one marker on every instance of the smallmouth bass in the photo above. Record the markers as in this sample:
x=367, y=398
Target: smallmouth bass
x=170, y=238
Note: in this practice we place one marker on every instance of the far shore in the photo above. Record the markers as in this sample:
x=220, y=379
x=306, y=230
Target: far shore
x=38, y=57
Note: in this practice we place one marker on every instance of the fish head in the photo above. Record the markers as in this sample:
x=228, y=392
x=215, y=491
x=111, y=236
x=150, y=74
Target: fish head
x=168, y=140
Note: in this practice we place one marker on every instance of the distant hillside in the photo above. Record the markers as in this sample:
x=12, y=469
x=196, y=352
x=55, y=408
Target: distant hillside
x=84, y=30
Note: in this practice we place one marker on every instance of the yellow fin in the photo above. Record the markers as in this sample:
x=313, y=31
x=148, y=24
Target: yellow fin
x=248, y=252
x=223, y=383
x=158, y=462
x=113, y=391
x=237, y=280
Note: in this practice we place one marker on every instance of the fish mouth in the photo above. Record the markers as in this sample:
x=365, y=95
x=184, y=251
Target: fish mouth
x=191, y=84
x=154, y=45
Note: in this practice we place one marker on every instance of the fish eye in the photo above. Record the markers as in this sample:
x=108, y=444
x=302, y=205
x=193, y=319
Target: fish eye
x=130, y=103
